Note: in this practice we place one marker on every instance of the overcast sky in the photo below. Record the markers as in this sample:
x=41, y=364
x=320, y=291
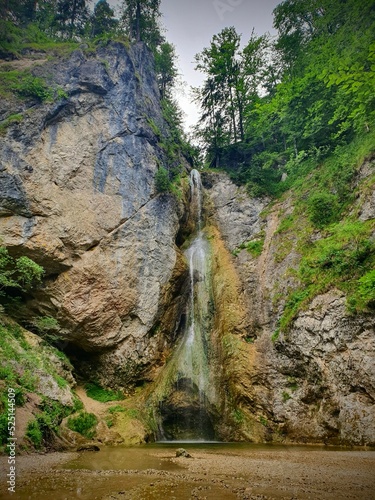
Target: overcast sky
x=190, y=25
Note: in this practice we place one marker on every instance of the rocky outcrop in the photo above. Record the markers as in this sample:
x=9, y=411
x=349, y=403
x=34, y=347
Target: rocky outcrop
x=330, y=357
x=78, y=196
x=231, y=203
x=315, y=383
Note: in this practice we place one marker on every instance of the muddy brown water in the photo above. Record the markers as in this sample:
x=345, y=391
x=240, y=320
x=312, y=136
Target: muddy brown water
x=216, y=471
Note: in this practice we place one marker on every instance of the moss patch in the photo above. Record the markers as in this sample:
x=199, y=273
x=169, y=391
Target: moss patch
x=95, y=391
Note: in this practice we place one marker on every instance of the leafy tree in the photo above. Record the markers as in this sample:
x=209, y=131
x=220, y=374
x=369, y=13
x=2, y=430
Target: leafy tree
x=230, y=91
x=20, y=11
x=273, y=103
x=103, y=20
x=19, y=273
x=162, y=182
x=212, y=127
x=220, y=63
x=165, y=67
x=253, y=72
x=141, y=20
x=71, y=16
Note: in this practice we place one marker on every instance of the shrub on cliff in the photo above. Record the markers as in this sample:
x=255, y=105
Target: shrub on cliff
x=162, y=182
x=323, y=208
x=19, y=273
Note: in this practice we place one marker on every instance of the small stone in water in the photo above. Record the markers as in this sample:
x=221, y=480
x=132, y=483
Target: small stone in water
x=181, y=452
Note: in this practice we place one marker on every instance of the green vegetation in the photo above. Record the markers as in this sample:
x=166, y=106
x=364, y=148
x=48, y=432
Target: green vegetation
x=95, y=391
x=322, y=208
x=173, y=144
x=41, y=430
x=34, y=433
x=48, y=329
x=16, y=118
x=263, y=421
x=117, y=409
x=292, y=384
x=343, y=258
x=83, y=423
x=24, y=85
x=284, y=106
x=162, y=182
x=20, y=368
x=17, y=274
x=336, y=250
x=238, y=416
x=365, y=293
x=254, y=247
x=45, y=324
x=286, y=396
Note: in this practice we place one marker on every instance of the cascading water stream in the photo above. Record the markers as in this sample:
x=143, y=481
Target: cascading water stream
x=188, y=386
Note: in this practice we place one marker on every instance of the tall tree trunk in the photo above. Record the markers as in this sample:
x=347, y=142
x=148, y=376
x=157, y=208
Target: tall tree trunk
x=240, y=119
x=73, y=17
x=138, y=21
x=232, y=111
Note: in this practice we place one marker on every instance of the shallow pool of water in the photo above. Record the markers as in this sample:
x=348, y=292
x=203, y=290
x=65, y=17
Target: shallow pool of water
x=218, y=471
x=158, y=455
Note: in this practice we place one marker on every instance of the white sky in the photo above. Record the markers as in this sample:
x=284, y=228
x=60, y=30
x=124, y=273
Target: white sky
x=190, y=25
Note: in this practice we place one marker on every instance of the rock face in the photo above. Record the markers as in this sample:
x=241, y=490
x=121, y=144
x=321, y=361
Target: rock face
x=232, y=204
x=317, y=382
x=78, y=196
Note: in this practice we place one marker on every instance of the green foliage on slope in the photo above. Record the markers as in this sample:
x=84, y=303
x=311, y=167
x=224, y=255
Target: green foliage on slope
x=17, y=273
x=278, y=107
x=84, y=423
x=25, y=363
x=336, y=248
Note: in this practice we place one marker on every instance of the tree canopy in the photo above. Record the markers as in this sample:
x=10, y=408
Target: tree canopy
x=304, y=93
x=141, y=20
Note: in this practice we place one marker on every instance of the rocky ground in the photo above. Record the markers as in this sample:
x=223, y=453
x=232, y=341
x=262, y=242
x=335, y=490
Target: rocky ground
x=255, y=474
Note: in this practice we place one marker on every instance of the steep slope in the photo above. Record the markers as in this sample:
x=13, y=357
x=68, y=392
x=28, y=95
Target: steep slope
x=313, y=381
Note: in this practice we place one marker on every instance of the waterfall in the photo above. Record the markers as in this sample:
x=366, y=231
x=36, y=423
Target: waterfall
x=188, y=388
x=196, y=196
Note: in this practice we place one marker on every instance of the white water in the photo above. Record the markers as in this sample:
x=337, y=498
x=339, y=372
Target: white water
x=193, y=358
x=188, y=374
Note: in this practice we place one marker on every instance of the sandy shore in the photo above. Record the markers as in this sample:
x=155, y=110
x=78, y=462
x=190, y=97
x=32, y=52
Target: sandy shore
x=244, y=474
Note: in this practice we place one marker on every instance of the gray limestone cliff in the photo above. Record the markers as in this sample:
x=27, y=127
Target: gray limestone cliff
x=77, y=195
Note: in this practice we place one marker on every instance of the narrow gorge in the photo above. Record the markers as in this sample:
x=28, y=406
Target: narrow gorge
x=173, y=299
